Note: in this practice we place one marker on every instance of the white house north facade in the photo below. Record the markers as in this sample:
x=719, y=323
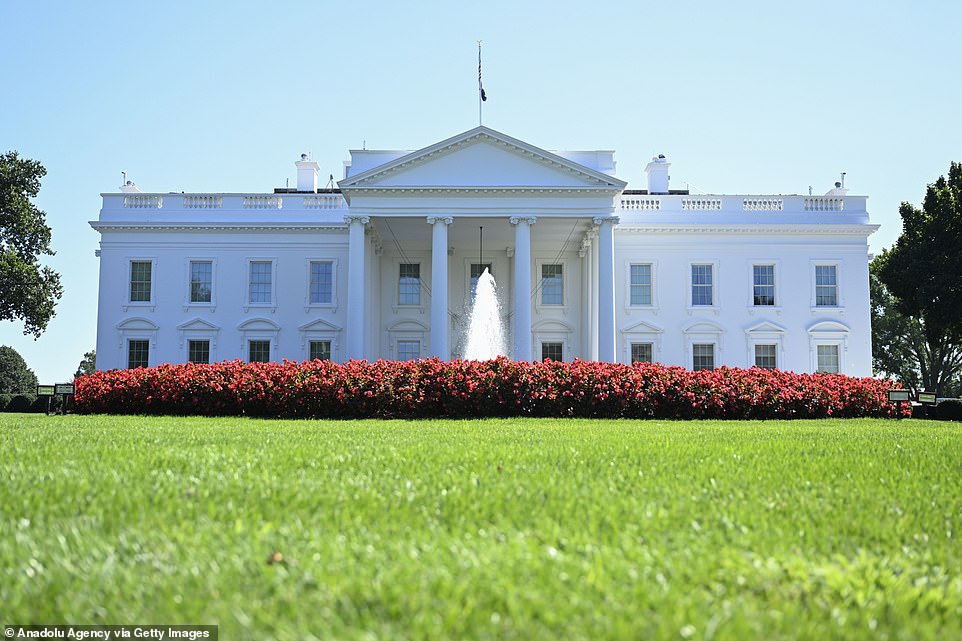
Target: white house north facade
x=383, y=266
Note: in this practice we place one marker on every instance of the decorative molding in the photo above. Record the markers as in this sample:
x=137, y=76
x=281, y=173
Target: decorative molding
x=516, y=220
x=601, y=220
x=208, y=227
x=447, y=220
x=478, y=134
x=815, y=228
x=351, y=219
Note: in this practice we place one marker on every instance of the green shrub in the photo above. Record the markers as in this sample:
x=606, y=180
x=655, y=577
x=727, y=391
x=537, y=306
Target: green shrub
x=949, y=410
x=21, y=403
x=5, y=401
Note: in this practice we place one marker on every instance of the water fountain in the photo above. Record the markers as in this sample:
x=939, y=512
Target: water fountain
x=485, y=339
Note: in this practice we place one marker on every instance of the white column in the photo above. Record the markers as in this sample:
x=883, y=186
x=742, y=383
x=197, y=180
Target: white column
x=439, y=285
x=606, y=288
x=356, y=286
x=593, y=344
x=522, y=287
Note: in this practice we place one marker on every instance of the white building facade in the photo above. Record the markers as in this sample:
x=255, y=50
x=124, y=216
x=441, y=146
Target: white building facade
x=384, y=266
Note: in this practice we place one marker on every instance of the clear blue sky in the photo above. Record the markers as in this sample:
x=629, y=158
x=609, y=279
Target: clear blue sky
x=744, y=97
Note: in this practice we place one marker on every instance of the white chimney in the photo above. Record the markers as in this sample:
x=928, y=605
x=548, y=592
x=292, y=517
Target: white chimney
x=306, y=174
x=657, y=171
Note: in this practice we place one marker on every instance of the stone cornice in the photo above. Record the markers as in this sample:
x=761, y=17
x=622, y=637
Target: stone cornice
x=486, y=189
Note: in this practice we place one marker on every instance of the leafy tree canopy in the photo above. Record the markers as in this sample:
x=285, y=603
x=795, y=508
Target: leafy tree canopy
x=28, y=291
x=88, y=364
x=924, y=268
x=900, y=347
x=15, y=376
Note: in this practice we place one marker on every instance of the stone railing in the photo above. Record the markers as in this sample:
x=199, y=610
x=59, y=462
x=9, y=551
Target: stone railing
x=824, y=203
x=701, y=204
x=203, y=201
x=143, y=201
x=763, y=204
x=791, y=204
x=640, y=202
x=263, y=202
x=180, y=202
x=324, y=201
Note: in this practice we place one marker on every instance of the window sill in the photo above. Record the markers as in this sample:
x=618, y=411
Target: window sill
x=827, y=309
x=703, y=309
x=148, y=306
x=765, y=309
x=260, y=307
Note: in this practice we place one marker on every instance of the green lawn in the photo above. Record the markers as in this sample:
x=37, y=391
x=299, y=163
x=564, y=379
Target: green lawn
x=489, y=529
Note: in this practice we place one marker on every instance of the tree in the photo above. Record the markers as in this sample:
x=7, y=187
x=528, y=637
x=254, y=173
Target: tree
x=28, y=291
x=900, y=348
x=88, y=365
x=923, y=271
x=15, y=376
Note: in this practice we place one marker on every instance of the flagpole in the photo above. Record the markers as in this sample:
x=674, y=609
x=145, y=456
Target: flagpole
x=480, y=87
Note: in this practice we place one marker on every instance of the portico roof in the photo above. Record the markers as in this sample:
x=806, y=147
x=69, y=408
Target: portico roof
x=481, y=161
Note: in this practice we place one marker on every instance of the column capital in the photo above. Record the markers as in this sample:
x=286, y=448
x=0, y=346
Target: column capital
x=516, y=220
x=447, y=220
x=357, y=219
x=601, y=220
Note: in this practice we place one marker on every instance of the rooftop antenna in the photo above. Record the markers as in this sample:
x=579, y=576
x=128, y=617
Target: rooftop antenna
x=843, y=180
x=330, y=181
x=364, y=145
x=809, y=190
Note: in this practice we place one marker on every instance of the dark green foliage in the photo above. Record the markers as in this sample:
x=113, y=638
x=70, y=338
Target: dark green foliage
x=923, y=275
x=22, y=403
x=88, y=364
x=949, y=410
x=15, y=376
x=28, y=291
x=5, y=401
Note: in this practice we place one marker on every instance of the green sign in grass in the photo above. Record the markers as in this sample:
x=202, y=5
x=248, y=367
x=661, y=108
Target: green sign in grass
x=46, y=390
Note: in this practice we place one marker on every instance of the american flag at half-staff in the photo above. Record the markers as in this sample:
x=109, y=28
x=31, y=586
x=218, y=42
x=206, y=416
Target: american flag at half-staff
x=480, y=86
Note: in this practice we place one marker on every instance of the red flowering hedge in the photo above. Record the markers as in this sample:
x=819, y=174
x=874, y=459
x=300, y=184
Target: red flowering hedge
x=464, y=389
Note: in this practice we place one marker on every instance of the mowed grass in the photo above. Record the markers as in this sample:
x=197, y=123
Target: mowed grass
x=489, y=529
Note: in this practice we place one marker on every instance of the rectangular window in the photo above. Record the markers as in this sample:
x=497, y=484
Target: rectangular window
x=703, y=356
x=201, y=280
x=408, y=350
x=702, y=279
x=198, y=351
x=765, y=356
x=320, y=351
x=322, y=282
x=641, y=284
x=138, y=353
x=552, y=352
x=826, y=286
x=827, y=359
x=476, y=270
x=140, y=281
x=552, y=285
x=260, y=282
x=409, y=284
x=641, y=353
x=258, y=351
x=763, y=285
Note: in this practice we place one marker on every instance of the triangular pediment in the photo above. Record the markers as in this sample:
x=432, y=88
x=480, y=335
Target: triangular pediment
x=198, y=324
x=258, y=325
x=765, y=327
x=643, y=327
x=481, y=159
x=319, y=325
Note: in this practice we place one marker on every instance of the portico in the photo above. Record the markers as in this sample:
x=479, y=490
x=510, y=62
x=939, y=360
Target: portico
x=537, y=211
